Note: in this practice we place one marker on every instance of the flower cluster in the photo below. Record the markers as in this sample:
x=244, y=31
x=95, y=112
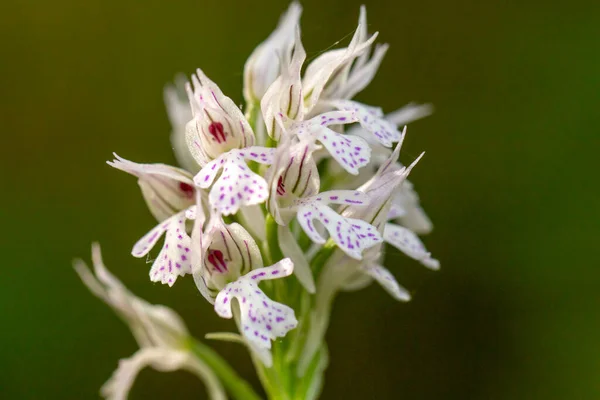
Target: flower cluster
x=303, y=180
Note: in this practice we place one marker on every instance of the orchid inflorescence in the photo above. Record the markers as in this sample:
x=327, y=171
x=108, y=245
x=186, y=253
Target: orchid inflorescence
x=302, y=181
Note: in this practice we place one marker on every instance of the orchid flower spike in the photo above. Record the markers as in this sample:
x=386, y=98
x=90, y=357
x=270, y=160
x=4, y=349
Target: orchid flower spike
x=301, y=178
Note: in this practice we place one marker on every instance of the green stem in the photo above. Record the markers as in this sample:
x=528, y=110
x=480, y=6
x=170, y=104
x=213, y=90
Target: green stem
x=312, y=374
x=235, y=385
x=273, y=239
x=319, y=260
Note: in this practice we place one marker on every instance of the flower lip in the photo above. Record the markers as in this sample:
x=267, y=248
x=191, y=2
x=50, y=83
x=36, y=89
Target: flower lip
x=351, y=235
x=237, y=185
x=262, y=319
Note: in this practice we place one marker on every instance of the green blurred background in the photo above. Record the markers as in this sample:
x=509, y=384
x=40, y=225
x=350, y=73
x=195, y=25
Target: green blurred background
x=509, y=180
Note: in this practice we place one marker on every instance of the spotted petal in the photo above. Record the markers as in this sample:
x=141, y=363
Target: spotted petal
x=351, y=152
x=262, y=319
x=387, y=281
x=174, y=258
x=372, y=120
x=351, y=235
x=409, y=243
x=352, y=197
x=238, y=185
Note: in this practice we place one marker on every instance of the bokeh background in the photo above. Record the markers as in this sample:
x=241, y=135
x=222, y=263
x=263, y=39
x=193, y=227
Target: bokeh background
x=510, y=180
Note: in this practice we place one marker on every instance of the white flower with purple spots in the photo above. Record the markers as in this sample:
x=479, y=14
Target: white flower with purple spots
x=238, y=185
x=351, y=235
x=218, y=124
x=301, y=177
x=292, y=175
x=409, y=243
x=261, y=318
x=351, y=152
x=174, y=258
x=167, y=190
x=228, y=251
x=372, y=120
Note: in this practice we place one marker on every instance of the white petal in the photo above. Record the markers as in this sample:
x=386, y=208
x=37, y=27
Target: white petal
x=351, y=235
x=351, y=152
x=409, y=113
x=218, y=124
x=238, y=185
x=319, y=72
x=164, y=360
x=361, y=76
x=166, y=190
x=352, y=197
x=290, y=248
x=410, y=244
x=283, y=100
x=407, y=210
x=253, y=219
x=262, y=319
x=180, y=113
x=387, y=281
x=371, y=119
x=174, y=258
x=262, y=155
x=263, y=65
x=207, y=174
x=147, y=242
x=141, y=170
